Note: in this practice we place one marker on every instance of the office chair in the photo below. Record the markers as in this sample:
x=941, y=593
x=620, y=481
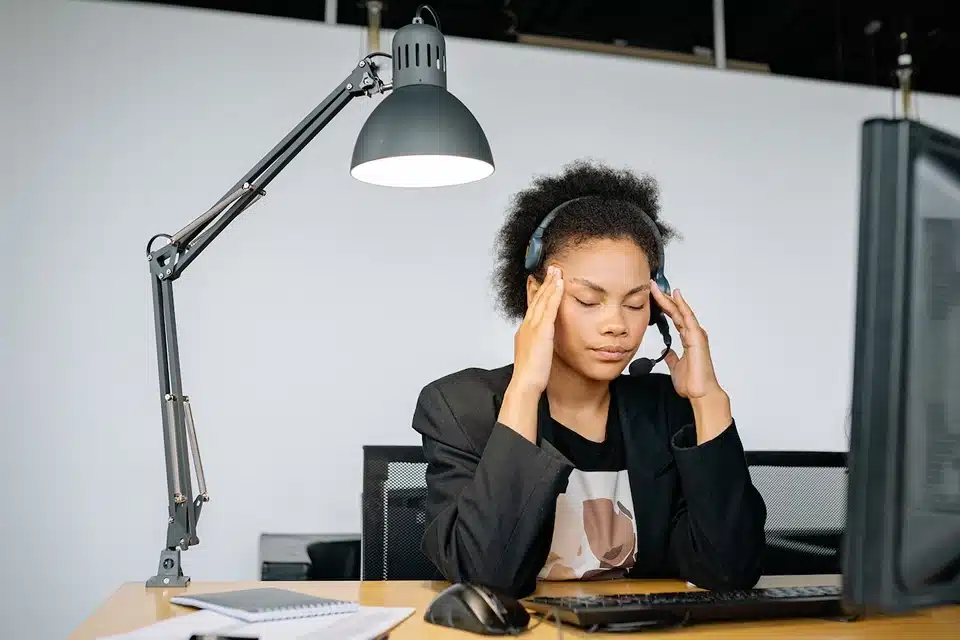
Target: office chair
x=309, y=556
x=334, y=559
x=805, y=493
x=394, y=514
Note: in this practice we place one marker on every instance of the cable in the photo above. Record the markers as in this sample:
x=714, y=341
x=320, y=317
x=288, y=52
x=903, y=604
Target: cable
x=373, y=66
x=436, y=20
x=556, y=617
x=642, y=625
x=159, y=235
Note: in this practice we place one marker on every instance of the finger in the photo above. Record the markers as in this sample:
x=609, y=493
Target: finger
x=688, y=316
x=552, y=302
x=671, y=359
x=548, y=291
x=552, y=292
x=667, y=304
x=536, y=307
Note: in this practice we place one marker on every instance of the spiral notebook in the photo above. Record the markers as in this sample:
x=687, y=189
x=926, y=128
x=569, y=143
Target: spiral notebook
x=266, y=603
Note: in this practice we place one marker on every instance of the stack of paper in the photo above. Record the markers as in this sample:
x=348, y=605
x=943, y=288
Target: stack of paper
x=366, y=624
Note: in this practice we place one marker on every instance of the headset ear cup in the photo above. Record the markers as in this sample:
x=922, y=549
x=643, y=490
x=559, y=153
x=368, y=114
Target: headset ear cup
x=664, y=285
x=655, y=312
x=532, y=258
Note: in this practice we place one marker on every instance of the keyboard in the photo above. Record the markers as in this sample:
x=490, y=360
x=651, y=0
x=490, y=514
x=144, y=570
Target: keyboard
x=688, y=607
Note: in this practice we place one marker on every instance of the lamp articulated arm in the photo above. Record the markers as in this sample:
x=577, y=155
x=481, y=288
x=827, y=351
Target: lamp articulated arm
x=167, y=263
x=420, y=136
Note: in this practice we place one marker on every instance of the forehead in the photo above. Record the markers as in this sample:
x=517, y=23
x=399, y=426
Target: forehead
x=605, y=259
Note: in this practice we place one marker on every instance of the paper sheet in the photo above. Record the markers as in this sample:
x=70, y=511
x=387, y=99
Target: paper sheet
x=366, y=624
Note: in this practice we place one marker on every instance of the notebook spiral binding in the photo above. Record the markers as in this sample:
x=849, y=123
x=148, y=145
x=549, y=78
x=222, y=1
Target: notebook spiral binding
x=305, y=610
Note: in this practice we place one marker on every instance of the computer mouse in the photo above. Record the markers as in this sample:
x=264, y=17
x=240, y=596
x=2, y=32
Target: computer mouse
x=471, y=607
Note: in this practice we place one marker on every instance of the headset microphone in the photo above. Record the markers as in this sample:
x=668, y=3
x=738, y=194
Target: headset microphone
x=643, y=366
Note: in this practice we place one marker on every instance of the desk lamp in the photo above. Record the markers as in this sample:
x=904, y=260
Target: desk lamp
x=418, y=136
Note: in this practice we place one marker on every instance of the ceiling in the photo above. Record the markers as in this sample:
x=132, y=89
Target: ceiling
x=855, y=41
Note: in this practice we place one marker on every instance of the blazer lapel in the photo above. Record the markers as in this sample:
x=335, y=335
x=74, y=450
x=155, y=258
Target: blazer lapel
x=648, y=458
x=544, y=423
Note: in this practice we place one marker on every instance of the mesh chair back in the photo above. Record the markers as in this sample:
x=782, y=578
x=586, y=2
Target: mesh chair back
x=805, y=493
x=394, y=514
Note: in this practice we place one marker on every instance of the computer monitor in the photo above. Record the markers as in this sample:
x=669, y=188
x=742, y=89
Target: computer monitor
x=902, y=542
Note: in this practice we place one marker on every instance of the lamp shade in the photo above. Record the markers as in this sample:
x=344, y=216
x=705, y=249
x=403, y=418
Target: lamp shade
x=421, y=135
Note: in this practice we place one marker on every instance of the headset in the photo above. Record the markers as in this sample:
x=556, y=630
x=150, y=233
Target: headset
x=534, y=257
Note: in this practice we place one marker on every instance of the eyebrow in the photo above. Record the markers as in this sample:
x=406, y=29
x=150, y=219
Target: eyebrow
x=599, y=289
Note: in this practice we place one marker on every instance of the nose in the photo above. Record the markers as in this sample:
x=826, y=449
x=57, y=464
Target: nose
x=614, y=322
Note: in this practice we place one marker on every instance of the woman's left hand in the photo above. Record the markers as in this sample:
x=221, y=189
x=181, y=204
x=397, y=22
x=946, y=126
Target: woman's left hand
x=693, y=375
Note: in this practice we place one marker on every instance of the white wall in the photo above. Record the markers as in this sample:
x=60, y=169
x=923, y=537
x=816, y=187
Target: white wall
x=120, y=121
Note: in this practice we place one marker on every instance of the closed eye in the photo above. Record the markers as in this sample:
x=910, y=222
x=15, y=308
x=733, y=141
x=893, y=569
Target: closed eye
x=597, y=304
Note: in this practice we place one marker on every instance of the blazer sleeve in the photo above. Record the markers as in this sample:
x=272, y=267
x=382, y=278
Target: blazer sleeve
x=486, y=510
x=717, y=533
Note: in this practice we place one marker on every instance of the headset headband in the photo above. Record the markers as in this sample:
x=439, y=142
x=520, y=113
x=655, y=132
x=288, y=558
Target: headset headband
x=534, y=253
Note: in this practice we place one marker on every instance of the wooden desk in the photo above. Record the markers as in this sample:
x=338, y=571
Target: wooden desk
x=133, y=606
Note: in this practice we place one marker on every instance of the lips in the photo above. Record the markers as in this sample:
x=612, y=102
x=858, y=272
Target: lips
x=611, y=353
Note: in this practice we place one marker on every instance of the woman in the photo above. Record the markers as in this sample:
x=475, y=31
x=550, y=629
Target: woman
x=558, y=467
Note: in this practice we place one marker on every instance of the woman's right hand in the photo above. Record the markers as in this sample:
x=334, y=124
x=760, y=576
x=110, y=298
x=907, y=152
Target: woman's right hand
x=532, y=358
x=533, y=342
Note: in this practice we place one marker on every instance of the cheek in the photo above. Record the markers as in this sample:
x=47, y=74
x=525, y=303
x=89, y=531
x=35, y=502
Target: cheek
x=571, y=322
x=638, y=321
x=637, y=333
x=637, y=325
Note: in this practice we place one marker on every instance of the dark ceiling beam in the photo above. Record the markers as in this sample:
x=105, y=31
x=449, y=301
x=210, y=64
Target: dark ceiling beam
x=821, y=39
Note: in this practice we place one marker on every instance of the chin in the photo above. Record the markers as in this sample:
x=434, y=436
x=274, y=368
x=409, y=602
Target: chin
x=605, y=371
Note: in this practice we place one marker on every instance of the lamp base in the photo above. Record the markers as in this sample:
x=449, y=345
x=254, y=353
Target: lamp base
x=169, y=573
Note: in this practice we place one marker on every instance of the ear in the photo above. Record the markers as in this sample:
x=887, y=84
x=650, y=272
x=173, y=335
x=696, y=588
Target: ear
x=533, y=285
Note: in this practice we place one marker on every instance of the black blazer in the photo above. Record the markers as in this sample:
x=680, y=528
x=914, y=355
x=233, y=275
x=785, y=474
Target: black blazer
x=491, y=493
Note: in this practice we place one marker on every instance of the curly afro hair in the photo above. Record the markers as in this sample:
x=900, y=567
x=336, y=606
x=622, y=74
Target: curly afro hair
x=603, y=216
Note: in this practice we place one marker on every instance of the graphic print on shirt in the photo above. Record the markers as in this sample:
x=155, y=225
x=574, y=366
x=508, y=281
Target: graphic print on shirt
x=595, y=533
